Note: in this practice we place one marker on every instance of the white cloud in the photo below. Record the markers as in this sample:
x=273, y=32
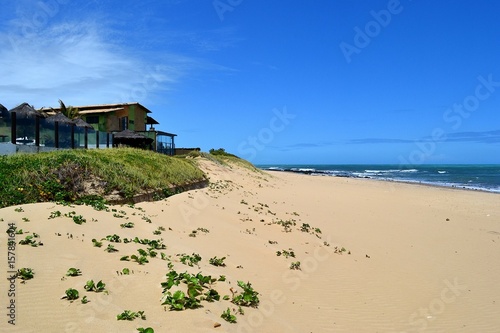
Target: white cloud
x=84, y=53
x=80, y=64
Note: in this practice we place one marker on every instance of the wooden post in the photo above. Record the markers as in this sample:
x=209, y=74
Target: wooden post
x=72, y=136
x=13, y=124
x=172, y=152
x=97, y=139
x=37, y=131
x=86, y=138
x=56, y=134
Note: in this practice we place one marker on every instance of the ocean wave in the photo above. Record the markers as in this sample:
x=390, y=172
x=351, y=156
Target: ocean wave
x=391, y=171
x=303, y=169
x=276, y=168
x=409, y=170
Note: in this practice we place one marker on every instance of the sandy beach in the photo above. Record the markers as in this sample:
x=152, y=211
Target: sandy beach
x=374, y=256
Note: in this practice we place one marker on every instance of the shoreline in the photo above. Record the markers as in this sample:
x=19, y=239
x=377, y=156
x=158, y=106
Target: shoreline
x=409, y=182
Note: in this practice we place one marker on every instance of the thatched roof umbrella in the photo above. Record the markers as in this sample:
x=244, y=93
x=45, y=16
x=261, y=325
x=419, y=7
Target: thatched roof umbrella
x=63, y=137
x=79, y=122
x=25, y=123
x=26, y=111
x=4, y=113
x=131, y=138
x=4, y=117
x=60, y=118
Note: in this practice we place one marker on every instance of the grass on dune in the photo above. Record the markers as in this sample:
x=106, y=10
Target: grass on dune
x=222, y=157
x=67, y=174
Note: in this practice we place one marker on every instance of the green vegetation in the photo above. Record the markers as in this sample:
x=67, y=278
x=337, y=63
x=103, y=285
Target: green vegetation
x=97, y=287
x=55, y=214
x=220, y=156
x=78, y=219
x=341, y=250
x=25, y=273
x=145, y=330
x=227, y=316
x=305, y=227
x=110, y=248
x=286, y=253
x=309, y=229
x=74, y=272
x=191, y=299
x=113, y=238
x=190, y=260
x=71, y=294
x=129, y=315
x=287, y=225
x=217, y=261
x=65, y=175
x=30, y=240
x=158, y=231
x=127, y=225
x=156, y=244
x=195, y=232
x=141, y=260
x=249, y=297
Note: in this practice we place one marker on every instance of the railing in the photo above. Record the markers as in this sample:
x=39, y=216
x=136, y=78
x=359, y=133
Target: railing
x=39, y=134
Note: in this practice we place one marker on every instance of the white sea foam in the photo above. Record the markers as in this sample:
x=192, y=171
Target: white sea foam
x=390, y=171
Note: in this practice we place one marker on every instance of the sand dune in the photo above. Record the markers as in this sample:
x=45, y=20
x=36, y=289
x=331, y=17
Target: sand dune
x=374, y=257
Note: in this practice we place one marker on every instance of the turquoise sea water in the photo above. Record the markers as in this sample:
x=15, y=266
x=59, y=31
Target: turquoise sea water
x=474, y=177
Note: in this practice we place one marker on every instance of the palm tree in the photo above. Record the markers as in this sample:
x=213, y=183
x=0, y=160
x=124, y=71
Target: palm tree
x=69, y=111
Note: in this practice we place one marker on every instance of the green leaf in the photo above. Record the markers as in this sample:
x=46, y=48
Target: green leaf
x=90, y=285
x=71, y=294
x=25, y=273
x=227, y=316
x=146, y=330
x=100, y=286
x=73, y=272
x=178, y=295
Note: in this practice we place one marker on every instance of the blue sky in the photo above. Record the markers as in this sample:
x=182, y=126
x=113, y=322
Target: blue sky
x=326, y=81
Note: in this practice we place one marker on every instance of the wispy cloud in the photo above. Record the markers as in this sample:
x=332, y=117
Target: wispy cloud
x=202, y=41
x=303, y=145
x=87, y=61
x=80, y=63
x=378, y=140
x=484, y=137
x=475, y=137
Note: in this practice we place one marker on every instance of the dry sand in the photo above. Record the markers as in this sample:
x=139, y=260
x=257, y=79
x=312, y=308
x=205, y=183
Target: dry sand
x=421, y=258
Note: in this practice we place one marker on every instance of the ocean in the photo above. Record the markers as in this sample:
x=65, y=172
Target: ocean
x=472, y=177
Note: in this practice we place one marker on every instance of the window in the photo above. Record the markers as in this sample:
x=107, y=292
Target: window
x=92, y=119
x=123, y=123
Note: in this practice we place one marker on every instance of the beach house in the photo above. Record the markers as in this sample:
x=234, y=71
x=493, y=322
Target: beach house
x=116, y=118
